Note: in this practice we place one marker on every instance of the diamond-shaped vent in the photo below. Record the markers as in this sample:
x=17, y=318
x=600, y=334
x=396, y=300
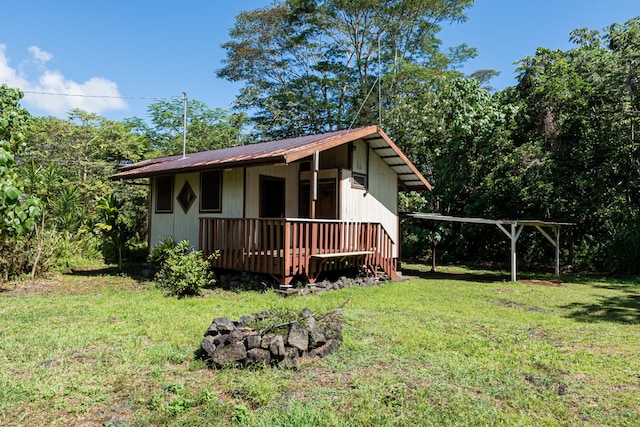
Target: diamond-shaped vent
x=186, y=197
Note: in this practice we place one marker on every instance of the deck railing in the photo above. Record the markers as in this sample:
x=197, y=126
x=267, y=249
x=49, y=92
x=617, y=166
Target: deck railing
x=286, y=248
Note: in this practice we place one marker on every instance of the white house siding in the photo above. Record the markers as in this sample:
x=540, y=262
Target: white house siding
x=184, y=226
x=288, y=172
x=379, y=202
x=335, y=158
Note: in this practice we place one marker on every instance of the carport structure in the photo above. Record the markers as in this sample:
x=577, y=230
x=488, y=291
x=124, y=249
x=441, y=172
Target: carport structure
x=511, y=228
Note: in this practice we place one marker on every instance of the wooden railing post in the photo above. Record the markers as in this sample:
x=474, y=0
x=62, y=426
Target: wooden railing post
x=286, y=250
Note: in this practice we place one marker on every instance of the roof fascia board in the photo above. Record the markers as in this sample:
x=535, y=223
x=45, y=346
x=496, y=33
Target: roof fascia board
x=336, y=141
x=226, y=165
x=404, y=158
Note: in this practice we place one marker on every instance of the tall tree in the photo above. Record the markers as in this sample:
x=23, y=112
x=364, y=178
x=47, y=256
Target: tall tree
x=312, y=65
x=459, y=135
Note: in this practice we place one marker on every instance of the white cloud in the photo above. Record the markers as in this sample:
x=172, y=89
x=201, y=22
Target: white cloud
x=39, y=54
x=95, y=95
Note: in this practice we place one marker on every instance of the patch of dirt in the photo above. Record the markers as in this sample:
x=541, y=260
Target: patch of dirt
x=76, y=283
x=510, y=304
x=506, y=290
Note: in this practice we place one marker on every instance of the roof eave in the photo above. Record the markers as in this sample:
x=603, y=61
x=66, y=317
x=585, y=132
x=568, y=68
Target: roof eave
x=335, y=141
x=405, y=159
x=132, y=174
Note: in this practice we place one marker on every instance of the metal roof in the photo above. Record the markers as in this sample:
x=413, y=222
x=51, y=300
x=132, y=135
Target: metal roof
x=448, y=218
x=282, y=151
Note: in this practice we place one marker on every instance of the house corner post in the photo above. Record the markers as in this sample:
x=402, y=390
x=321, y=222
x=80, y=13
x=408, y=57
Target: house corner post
x=313, y=190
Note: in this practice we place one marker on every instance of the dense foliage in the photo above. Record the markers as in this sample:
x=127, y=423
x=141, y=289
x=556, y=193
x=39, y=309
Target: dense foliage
x=19, y=210
x=59, y=209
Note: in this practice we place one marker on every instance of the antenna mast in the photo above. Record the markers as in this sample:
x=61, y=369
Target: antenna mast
x=379, y=83
x=184, y=125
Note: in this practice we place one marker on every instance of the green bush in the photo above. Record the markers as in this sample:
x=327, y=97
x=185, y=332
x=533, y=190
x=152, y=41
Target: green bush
x=160, y=253
x=184, y=272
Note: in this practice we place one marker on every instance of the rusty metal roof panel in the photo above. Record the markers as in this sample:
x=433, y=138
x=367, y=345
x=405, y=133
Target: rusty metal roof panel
x=275, y=151
x=280, y=151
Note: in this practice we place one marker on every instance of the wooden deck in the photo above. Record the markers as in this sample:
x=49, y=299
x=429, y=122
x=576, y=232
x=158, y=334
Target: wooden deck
x=286, y=248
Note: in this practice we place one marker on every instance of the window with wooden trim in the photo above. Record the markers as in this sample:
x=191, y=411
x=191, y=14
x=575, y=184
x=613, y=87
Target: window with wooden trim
x=211, y=191
x=186, y=197
x=359, y=180
x=164, y=194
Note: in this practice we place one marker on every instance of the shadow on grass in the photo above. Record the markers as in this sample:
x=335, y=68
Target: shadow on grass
x=480, y=276
x=618, y=309
x=134, y=271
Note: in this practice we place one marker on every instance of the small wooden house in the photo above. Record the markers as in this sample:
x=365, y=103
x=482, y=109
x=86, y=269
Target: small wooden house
x=288, y=208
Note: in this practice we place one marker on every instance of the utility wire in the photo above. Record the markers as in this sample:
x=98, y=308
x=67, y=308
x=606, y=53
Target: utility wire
x=363, y=102
x=99, y=96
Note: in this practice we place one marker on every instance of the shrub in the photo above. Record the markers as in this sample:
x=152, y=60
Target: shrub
x=160, y=253
x=184, y=272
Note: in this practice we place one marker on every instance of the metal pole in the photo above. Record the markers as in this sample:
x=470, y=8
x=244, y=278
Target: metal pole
x=379, y=84
x=184, y=125
x=557, y=251
x=513, y=252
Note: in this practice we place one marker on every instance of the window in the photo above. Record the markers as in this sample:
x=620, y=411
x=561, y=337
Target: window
x=186, y=197
x=272, y=195
x=211, y=191
x=359, y=180
x=164, y=194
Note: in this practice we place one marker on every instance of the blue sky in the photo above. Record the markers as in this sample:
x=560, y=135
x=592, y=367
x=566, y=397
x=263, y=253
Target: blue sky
x=141, y=50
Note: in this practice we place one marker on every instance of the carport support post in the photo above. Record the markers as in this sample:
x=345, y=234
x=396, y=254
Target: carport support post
x=514, y=239
x=557, y=230
x=555, y=241
x=513, y=236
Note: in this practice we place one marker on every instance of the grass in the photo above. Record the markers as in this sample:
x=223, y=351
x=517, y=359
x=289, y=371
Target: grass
x=97, y=349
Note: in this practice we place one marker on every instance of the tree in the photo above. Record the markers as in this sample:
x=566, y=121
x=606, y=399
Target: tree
x=80, y=152
x=311, y=66
x=18, y=210
x=116, y=225
x=459, y=135
x=207, y=128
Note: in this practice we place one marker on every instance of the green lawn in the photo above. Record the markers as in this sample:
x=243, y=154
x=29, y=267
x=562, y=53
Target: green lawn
x=442, y=349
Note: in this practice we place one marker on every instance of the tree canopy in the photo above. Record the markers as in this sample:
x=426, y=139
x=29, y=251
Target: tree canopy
x=207, y=128
x=310, y=66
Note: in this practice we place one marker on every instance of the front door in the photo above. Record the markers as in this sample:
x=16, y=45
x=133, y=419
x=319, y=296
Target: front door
x=327, y=203
x=326, y=206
